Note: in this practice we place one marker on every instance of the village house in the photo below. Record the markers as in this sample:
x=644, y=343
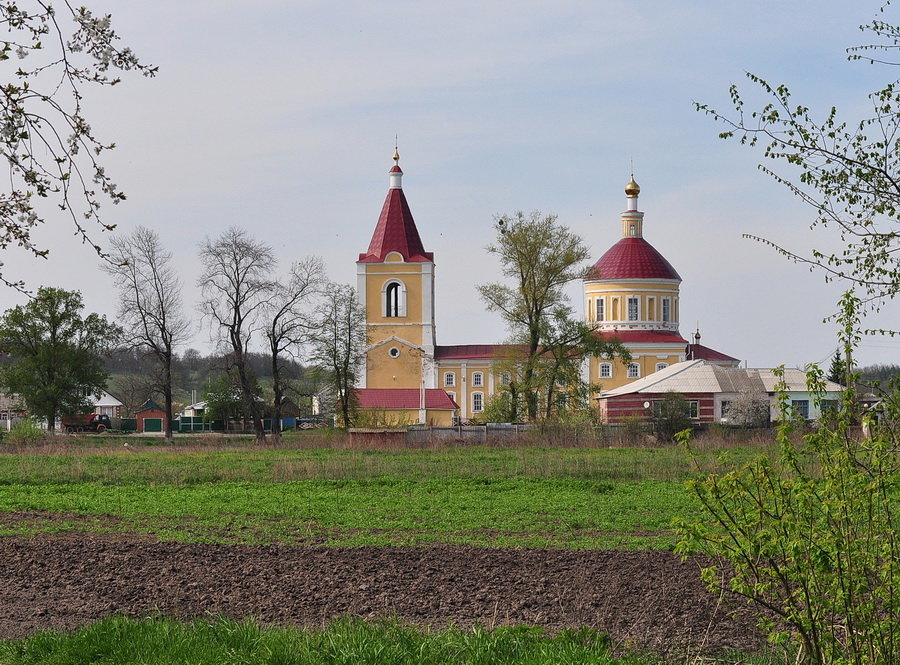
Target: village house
x=711, y=389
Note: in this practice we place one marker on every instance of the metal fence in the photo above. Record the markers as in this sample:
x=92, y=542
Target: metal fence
x=189, y=424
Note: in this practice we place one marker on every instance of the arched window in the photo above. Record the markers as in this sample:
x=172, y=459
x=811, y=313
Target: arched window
x=634, y=371
x=605, y=370
x=477, y=379
x=660, y=366
x=394, y=298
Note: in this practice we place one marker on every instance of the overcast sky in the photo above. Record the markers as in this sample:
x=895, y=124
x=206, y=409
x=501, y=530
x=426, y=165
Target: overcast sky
x=280, y=116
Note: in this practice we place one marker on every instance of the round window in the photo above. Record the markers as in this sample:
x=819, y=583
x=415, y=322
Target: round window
x=394, y=352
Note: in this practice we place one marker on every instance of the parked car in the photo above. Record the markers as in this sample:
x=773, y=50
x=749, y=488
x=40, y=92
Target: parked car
x=310, y=422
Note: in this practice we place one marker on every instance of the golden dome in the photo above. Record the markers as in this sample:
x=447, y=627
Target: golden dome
x=632, y=188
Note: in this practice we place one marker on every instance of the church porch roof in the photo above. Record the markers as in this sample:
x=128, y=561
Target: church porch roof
x=404, y=398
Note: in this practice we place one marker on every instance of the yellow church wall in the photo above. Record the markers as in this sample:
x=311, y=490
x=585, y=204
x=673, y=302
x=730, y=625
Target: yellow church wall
x=404, y=417
x=381, y=273
x=464, y=382
x=404, y=371
x=439, y=418
x=649, y=294
x=646, y=358
x=408, y=327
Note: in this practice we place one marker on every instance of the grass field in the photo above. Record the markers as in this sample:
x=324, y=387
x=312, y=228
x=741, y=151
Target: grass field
x=348, y=642
x=515, y=496
x=231, y=492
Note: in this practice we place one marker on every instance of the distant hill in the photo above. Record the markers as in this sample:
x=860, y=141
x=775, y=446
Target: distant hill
x=879, y=374
x=132, y=380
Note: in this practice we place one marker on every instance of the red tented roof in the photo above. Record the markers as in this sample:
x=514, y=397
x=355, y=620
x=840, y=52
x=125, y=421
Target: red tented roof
x=700, y=352
x=404, y=398
x=396, y=232
x=478, y=351
x=632, y=258
x=647, y=336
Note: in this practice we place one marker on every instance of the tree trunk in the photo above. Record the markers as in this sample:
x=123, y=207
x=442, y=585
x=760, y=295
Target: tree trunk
x=167, y=396
x=250, y=402
x=279, y=396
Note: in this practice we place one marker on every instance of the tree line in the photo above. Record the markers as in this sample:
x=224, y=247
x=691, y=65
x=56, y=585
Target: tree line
x=53, y=353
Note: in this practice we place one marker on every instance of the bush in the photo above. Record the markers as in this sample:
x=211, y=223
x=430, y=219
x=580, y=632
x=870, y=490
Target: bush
x=671, y=414
x=809, y=534
x=26, y=430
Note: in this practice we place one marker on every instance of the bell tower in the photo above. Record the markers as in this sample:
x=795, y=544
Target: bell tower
x=395, y=283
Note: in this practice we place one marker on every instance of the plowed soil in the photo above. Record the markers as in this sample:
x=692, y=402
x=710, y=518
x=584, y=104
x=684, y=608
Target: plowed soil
x=646, y=600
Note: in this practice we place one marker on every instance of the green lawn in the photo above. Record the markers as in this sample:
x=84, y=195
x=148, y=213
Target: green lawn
x=511, y=497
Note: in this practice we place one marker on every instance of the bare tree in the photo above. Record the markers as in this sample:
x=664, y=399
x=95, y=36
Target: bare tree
x=236, y=283
x=132, y=388
x=339, y=344
x=289, y=323
x=150, y=307
x=45, y=137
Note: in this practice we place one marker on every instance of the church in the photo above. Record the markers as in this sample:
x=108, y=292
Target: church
x=631, y=294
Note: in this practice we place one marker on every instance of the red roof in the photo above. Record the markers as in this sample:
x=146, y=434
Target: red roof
x=475, y=351
x=404, y=398
x=700, y=352
x=632, y=258
x=649, y=336
x=396, y=231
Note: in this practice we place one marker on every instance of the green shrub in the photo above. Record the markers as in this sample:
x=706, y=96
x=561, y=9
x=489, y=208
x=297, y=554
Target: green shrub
x=671, y=414
x=809, y=534
x=26, y=430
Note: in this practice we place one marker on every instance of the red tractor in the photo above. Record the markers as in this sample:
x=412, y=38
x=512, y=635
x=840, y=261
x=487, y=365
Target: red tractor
x=88, y=422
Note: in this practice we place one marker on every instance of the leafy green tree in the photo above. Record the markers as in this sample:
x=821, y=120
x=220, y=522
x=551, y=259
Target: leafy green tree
x=224, y=400
x=845, y=169
x=499, y=408
x=539, y=256
x=671, y=415
x=567, y=341
x=45, y=137
x=54, y=355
